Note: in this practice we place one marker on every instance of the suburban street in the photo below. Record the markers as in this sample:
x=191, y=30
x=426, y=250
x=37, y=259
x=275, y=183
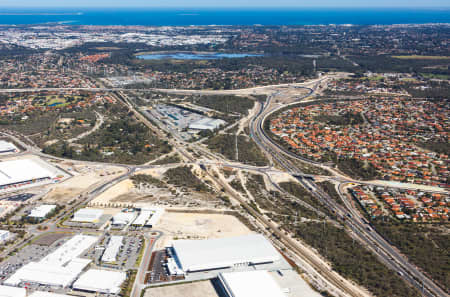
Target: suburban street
x=372, y=239
x=280, y=157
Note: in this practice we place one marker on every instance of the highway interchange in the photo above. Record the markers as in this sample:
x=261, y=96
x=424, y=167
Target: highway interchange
x=354, y=221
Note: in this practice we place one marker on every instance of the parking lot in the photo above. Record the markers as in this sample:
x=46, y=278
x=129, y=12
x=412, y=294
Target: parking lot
x=48, y=242
x=50, y=238
x=176, y=118
x=30, y=253
x=157, y=270
x=18, y=197
x=130, y=252
x=127, y=256
x=95, y=225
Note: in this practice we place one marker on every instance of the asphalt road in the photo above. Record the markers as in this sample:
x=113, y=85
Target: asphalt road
x=373, y=240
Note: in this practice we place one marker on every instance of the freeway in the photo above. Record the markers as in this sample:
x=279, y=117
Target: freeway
x=182, y=146
x=173, y=91
x=371, y=238
x=283, y=239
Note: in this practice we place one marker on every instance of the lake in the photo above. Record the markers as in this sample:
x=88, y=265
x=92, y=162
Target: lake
x=195, y=56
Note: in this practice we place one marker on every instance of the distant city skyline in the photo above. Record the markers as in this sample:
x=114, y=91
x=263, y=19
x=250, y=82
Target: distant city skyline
x=225, y=4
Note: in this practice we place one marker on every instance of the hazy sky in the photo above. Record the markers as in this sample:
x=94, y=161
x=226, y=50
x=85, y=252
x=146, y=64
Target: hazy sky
x=224, y=3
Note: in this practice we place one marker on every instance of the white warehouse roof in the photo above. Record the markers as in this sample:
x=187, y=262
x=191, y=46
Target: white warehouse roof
x=71, y=249
x=148, y=216
x=48, y=274
x=123, y=218
x=7, y=291
x=143, y=217
x=155, y=217
x=250, y=283
x=47, y=294
x=18, y=171
x=59, y=268
x=207, y=124
x=90, y=215
x=41, y=211
x=102, y=281
x=114, y=244
x=7, y=147
x=196, y=255
x=4, y=234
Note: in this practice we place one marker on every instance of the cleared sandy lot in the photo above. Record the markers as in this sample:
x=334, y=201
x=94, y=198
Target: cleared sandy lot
x=126, y=193
x=156, y=172
x=197, y=289
x=281, y=177
x=115, y=191
x=123, y=191
x=198, y=226
x=84, y=177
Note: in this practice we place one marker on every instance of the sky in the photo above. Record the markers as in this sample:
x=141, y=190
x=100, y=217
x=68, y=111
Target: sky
x=225, y=3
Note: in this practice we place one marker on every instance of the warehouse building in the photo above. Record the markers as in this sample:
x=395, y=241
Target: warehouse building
x=4, y=235
x=87, y=215
x=223, y=253
x=58, y=269
x=207, y=124
x=7, y=148
x=148, y=217
x=101, y=281
x=156, y=216
x=47, y=294
x=7, y=291
x=42, y=211
x=142, y=218
x=113, y=248
x=250, y=283
x=123, y=219
x=17, y=173
x=48, y=274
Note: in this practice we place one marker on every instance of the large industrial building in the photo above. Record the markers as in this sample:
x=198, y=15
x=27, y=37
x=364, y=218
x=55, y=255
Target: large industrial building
x=207, y=124
x=58, y=269
x=148, y=217
x=123, y=218
x=250, y=283
x=87, y=215
x=47, y=294
x=101, y=281
x=7, y=148
x=22, y=172
x=112, y=249
x=7, y=291
x=4, y=235
x=42, y=211
x=204, y=255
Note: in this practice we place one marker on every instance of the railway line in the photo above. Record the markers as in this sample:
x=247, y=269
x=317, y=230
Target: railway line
x=354, y=222
x=389, y=255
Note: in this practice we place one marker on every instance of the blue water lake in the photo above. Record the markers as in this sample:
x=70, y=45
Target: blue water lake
x=195, y=56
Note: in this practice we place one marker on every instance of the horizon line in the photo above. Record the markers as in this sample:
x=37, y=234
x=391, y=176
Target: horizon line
x=226, y=7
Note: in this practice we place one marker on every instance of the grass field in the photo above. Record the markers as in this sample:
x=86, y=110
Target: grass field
x=437, y=76
x=409, y=79
x=50, y=100
x=376, y=78
x=418, y=57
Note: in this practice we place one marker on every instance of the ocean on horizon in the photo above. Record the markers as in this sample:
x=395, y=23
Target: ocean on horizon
x=186, y=17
